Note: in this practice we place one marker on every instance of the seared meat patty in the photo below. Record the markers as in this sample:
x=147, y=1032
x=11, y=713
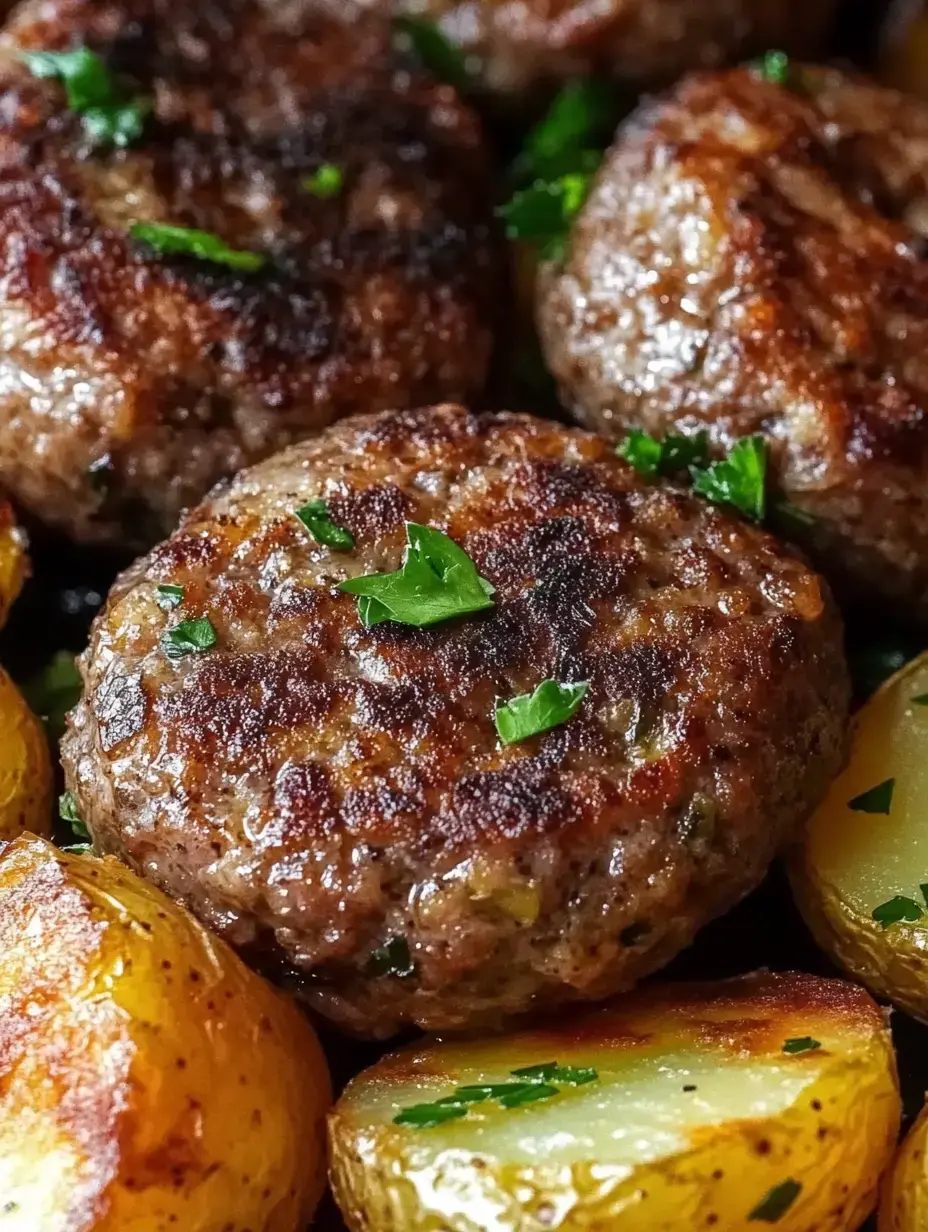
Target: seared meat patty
x=334, y=799
x=517, y=45
x=130, y=380
x=752, y=258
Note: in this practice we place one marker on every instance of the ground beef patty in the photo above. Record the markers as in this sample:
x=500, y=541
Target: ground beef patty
x=129, y=381
x=752, y=259
x=518, y=45
x=335, y=800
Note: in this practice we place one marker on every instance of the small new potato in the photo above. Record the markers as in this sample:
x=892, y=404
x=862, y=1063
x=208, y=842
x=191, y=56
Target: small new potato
x=866, y=848
x=14, y=564
x=769, y=1098
x=26, y=780
x=904, y=1202
x=148, y=1081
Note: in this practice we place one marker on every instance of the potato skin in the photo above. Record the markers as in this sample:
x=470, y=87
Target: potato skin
x=26, y=782
x=148, y=1080
x=904, y=1204
x=14, y=563
x=835, y=1139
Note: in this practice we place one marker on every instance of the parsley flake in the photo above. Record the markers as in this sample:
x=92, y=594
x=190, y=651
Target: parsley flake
x=802, y=1043
x=878, y=799
x=549, y=706
x=537, y=1083
x=169, y=597
x=393, y=958
x=67, y=811
x=55, y=691
x=437, y=582
x=189, y=637
x=189, y=242
x=542, y=214
x=93, y=93
x=651, y=457
x=897, y=910
x=318, y=521
x=776, y=1202
x=325, y=182
x=550, y=1071
x=425, y=1116
x=924, y=889
x=740, y=480
x=774, y=67
x=571, y=133
x=434, y=51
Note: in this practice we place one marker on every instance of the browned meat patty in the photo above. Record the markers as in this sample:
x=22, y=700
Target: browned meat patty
x=335, y=800
x=752, y=259
x=129, y=381
x=516, y=45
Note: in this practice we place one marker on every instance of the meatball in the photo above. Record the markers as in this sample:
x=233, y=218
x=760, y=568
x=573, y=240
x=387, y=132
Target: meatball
x=334, y=799
x=132, y=379
x=752, y=259
x=521, y=45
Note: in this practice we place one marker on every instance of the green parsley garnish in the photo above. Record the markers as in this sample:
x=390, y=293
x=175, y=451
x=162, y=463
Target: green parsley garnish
x=169, y=597
x=571, y=134
x=537, y=1083
x=802, y=1043
x=92, y=92
x=773, y=67
x=189, y=637
x=434, y=51
x=896, y=910
x=776, y=1202
x=425, y=1116
x=550, y=1071
x=920, y=699
x=651, y=457
x=189, y=242
x=318, y=521
x=542, y=214
x=549, y=706
x=325, y=182
x=392, y=959
x=437, y=582
x=740, y=480
x=67, y=811
x=54, y=691
x=878, y=799
x=924, y=889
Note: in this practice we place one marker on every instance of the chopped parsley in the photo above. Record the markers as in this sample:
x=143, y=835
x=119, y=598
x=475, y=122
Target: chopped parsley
x=740, y=480
x=426, y=1116
x=54, y=691
x=549, y=706
x=924, y=889
x=93, y=93
x=652, y=457
x=168, y=596
x=802, y=1043
x=393, y=958
x=776, y=1202
x=437, y=582
x=189, y=637
x=878, y=799
x=189, y=242
x=318, y=521
x=434, y=51
x=542, y=214
x=67, y=811
x=774, y=67
x=550, y=1071
x=537, y=1082
x=897, y=910
x=325, y=182
x=571, y=134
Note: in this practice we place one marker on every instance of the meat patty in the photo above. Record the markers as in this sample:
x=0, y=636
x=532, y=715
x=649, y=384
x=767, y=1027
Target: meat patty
x=130, y=381
x=519, y=45
x=752, y=258
x=334, y=799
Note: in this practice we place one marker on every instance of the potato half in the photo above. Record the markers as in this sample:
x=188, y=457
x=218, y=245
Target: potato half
x=26, y=781
x=148, y=1080
x=14, y=564
x=865, y=849
x=770, y=1098
x=904, y=1203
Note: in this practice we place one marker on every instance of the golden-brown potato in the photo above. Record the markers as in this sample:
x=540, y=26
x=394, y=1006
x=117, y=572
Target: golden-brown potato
x=26, y=783
x=14, y=564
x=860, y=875
x=148, y=1081
x=766, y=1098
x=904, y=1201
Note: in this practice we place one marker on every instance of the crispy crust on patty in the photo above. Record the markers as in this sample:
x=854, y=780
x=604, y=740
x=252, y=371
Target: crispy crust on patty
x=130, y=382
x=752, y=259
x=314, y=789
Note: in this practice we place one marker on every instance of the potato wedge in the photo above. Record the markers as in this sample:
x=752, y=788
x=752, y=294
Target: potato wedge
x=148, y=1080
x=904, y=1201
x=865, y=849
x=682, y=1106
x=26, y=782
x=14, y=563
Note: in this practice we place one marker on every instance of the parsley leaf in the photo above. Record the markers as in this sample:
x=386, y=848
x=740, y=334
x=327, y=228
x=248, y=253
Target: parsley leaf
x=434, y=51
x=437, y=582
x=802, y=1043
x=542, y=214
x=896, y=910
x=774, y=67
x=568, y=1075
x=651, y=457
x=325, y=182
x=318, y=521
x=92, y=92
x=776, y=1202
x=549, y=706
x=188, y=241
x=189, y=637
x=67, y=811
x=54, y=691
x=740, y=480
x=571, y=133
x=878, y=799
x=924, y=889
x=393, y=958
x=424, y=1116
x=169, y=597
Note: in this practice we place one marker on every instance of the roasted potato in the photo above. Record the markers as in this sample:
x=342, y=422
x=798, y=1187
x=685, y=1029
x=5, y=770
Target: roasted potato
x=13, y=560
x=904, y=55
x=148, y=1080
x=26, y=783
x=860, y=875
x=766, y=1097
x=904, y=1201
